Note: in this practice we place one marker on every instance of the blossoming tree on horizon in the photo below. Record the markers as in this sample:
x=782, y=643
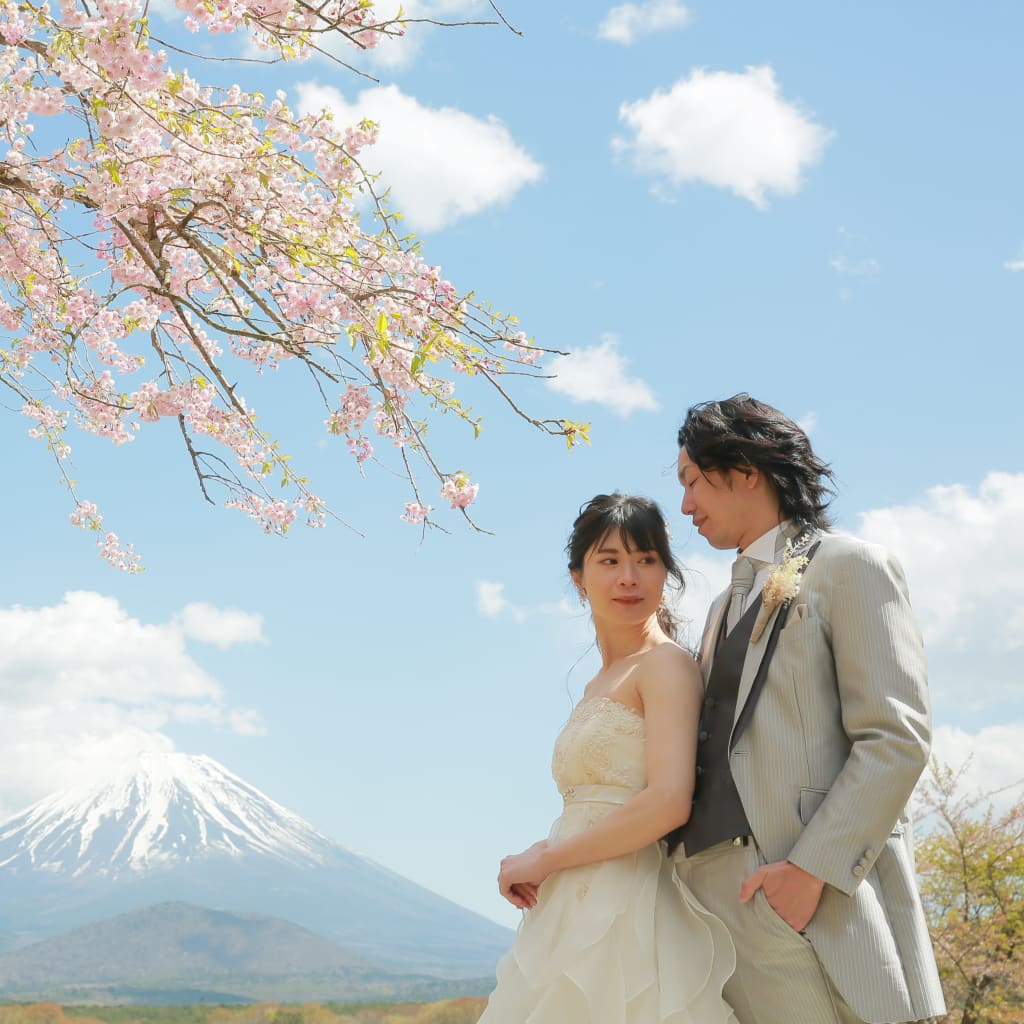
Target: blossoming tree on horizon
x=971, y=862
x=179, y=233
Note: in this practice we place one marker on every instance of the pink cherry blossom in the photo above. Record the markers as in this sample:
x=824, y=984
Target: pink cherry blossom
x=459, y=491
x=415, y=512
x=183, y=232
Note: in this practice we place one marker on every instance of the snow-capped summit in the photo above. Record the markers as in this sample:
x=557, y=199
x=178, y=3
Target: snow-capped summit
x=171, y=827
x=158, y=810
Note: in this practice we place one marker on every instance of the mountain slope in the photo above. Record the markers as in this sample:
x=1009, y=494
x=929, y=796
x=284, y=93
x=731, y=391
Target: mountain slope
x=171, y=827
x=174, y=941
x=174, y=947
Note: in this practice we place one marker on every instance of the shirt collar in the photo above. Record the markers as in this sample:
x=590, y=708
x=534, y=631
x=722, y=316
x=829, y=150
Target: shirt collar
x=769, y=546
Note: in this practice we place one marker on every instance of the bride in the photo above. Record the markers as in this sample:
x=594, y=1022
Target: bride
x=609, y=934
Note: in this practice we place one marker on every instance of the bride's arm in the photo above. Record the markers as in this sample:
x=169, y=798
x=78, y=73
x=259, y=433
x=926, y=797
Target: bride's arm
x=670, y=688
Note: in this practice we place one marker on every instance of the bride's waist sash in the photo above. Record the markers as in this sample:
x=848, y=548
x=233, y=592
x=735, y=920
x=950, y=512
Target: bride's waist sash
x=598, y=794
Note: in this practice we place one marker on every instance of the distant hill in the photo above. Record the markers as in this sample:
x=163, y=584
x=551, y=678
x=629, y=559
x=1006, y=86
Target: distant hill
x=177, y=828
x=176, y=952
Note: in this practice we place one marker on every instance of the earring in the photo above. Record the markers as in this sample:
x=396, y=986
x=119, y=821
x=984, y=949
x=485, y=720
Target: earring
x=583, y=596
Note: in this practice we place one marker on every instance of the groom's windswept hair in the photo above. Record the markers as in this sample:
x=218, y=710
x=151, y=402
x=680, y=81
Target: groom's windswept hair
x=740, y=432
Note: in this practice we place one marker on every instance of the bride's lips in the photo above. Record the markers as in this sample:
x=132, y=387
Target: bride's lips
x=628, y=600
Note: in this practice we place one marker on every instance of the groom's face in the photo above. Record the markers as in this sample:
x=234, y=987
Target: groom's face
x=718, y=503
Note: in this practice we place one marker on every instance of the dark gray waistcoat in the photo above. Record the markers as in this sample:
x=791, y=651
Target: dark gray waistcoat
x=717, y=813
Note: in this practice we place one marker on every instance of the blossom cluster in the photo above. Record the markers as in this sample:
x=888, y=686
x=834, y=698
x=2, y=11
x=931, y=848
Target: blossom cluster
x=186, y=226
x=87, y=517
x=459, y=491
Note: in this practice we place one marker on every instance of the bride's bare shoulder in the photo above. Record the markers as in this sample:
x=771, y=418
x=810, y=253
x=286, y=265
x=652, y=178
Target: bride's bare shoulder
x=670, y=659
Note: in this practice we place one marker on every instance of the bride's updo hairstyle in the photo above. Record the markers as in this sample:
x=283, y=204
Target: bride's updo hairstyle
x=642, y=525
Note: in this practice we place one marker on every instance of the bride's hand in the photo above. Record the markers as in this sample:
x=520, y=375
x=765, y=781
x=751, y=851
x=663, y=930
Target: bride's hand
x=521, y=875
x=524, y=895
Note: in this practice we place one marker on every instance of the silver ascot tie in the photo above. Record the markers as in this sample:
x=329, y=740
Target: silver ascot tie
x=744, y=569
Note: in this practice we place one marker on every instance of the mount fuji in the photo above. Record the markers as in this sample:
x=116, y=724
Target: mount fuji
x=174, y=827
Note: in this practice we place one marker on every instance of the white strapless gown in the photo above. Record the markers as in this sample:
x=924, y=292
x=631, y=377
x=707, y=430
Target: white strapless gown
x=622, y=941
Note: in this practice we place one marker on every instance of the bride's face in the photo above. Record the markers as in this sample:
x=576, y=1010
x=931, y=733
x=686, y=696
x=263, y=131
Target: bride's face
x=622, y=583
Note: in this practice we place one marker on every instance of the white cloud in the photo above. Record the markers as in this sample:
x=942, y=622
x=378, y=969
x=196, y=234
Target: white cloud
x=88, y=647
x=223, y=627
x=1015, y=629
x=705, y=578
x=808, y=422
x=490, y=598
x=1017, y=263
x=964, y=556
x=863, y=267
x=85, y=685
x=246, y=722
x=598, y=374
x=989, y=765
x=850, y=261
x=963, y=552
x=441, y=165
x=392, y=52
x=491, y=601
x=732, y=130
x=992, y=755
x=168, y=10
x=400, y=52
x=625, y=23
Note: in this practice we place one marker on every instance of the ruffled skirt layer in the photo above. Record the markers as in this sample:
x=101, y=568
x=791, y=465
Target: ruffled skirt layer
x=621, y=941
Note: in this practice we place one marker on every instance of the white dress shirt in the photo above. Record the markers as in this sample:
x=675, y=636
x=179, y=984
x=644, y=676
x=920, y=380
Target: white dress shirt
x=767, y=548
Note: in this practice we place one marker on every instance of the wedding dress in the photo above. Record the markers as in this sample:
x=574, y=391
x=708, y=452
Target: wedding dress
x=620, y=941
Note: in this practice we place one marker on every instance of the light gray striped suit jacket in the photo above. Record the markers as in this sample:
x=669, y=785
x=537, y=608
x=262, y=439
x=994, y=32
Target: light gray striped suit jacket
x=825, y=767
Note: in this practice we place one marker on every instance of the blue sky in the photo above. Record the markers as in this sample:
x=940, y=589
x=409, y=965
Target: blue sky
x=818, y=204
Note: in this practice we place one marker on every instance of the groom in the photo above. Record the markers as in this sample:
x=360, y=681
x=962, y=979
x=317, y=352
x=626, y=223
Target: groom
x=814, y=731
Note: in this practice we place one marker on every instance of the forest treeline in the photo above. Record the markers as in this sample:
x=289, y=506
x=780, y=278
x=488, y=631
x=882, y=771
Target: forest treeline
x=465, y=1010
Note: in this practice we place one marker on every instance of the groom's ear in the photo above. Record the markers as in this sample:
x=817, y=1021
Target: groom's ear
x=748, y=477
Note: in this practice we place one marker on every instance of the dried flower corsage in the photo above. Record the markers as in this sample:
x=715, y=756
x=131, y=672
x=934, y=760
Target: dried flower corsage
x=781, y=586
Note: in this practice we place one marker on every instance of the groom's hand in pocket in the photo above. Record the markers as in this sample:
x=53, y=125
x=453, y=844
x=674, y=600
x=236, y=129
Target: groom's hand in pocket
x=794, y=894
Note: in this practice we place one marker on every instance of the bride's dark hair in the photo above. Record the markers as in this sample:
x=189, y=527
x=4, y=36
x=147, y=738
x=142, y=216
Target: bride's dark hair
x=640, y=522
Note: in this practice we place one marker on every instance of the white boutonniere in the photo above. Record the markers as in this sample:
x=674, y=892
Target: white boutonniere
x=781, y=586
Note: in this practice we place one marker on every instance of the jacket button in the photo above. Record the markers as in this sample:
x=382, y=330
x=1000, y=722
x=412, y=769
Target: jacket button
x=869, y=852
x=859, y=870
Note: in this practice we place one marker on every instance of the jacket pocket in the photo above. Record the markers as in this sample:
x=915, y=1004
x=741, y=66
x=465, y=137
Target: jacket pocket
x=810, y=801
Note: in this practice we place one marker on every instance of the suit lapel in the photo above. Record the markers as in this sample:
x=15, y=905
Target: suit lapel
x=711, y=628
x=763, y=647
x=756, y=650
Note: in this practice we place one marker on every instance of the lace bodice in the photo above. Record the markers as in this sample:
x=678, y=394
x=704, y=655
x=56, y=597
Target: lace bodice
x=602, y=743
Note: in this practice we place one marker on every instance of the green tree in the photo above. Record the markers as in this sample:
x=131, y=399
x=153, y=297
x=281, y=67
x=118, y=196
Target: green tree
x=971, y=863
